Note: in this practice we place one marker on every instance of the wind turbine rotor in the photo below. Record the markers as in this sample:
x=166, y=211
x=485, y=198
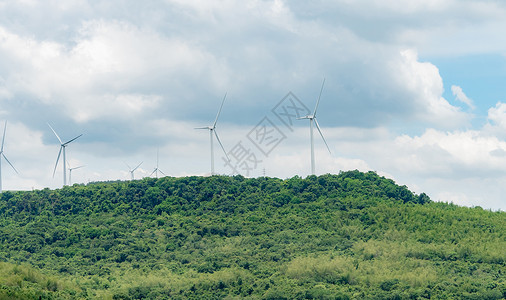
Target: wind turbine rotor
x=137, y=167
x=2, y=154
x=219, y=111
x=321, y=134
x=222, y=148
x=157, y=157
x=319, y=97
x=70, y=171
x=2, y=149
x=57, y=159
x=62, y=148
x=156, y=170
x=132, y=170
x=9, y=163
x=56, y=134
x=65, y=144
x=3, y=139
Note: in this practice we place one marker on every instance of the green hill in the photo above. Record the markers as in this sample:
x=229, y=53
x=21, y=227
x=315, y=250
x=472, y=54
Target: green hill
x=348, y=236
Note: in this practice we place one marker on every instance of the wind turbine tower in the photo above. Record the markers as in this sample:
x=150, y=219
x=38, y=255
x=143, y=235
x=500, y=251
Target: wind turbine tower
x=2, y=154
x=312, y=119
x=62, y=149
x=156, y=170
x=132, y=170
x=70, y=172
x=212, y=130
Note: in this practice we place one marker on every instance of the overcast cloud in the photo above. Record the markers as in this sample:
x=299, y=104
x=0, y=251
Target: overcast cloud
x=136, y=77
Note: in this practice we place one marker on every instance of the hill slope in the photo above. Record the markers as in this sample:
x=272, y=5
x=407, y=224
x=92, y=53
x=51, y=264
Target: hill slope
x=348, y=236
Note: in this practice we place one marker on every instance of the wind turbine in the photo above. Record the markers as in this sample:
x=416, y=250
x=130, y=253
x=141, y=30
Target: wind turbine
x=70, y=172
x=133, y=170
x=3, y=155
x=211, y=130
x=62, y=148
x=312, y=119
x=156, y=170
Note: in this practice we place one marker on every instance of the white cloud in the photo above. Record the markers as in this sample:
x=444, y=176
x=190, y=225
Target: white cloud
x=497, y=115
x=466, y=153
x=463, y=167
x=484, y=192
x=92, y=79
x=109, y=58
x=120, y=106
x=414, y=6
x=496, y=125
x=425, y=85
x=461, y=96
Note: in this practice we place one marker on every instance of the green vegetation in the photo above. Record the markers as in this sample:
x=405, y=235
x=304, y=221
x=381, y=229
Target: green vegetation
x=348, y=236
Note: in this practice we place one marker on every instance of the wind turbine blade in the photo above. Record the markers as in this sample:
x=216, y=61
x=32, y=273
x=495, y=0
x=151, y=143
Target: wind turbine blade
x=222, y=148
x=10, y=163
x=75, y=168
x=202, y=127
x=137, y=166
x=57, y=159
x=319, y=130
x=218, y=115
x=162, y=172
x=318, y=102
x=55, y=134
x=130, y=169
x=152, y=172
x=72, y=140
x=3, y=139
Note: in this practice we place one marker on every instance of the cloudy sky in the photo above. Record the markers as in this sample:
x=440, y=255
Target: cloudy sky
x=415, y=91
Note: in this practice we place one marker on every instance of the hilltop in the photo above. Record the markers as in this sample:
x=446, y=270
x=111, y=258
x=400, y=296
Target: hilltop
x=348, y=236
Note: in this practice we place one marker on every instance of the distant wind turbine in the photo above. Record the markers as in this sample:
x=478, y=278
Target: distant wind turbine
x=70, y=172
x=312, y=119
x=132, y=170
x=62, y=148
x=156, y=170
x=5, y=157
x=211, y=130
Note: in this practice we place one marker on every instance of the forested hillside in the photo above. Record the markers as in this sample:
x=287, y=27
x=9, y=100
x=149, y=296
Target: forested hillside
x=349, y=236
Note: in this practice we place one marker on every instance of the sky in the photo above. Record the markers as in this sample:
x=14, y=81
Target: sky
x=415, y=92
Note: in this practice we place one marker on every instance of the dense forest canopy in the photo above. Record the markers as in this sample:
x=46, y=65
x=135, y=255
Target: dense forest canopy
x=349, y=236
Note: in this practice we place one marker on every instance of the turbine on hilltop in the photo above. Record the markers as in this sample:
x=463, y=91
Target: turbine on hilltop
x=132, y=170
x=62, y=149
x=156, y=170
x=70, y=172
x=2, y=154
x=312, y=119
x=212, y=129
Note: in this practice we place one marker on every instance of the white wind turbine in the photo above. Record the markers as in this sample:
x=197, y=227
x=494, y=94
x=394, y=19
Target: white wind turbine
x=70, y=172
x=156, y=170
x=211, y=130
x=5, y=157
x=312, y=119
x=62, y=148
x=132, y=170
